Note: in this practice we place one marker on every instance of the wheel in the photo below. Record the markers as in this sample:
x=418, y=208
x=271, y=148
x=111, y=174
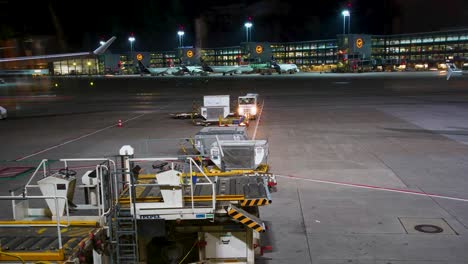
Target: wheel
x=66, y=172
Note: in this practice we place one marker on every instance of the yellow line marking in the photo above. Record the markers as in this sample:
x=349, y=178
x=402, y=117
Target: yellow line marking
x=40, y=231
x=82, y=223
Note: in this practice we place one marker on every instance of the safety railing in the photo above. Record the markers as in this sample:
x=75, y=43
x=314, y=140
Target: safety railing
x=58, y=222
x=42, y=165
x=192, y=164
x=103, y=212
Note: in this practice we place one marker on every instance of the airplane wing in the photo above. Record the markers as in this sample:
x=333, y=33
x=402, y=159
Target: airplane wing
x=97, y=51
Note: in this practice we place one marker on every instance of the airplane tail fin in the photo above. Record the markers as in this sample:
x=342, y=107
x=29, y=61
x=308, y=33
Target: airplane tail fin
x=143, y=68
x=275, y=65
x=449, y=71
x=206, y=67
x=103, y=47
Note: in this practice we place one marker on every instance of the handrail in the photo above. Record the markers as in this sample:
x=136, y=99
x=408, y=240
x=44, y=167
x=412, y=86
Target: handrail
x=43, y=163
x=191, y=163
x=58, y=221
x=99, y=173
x=207, y=178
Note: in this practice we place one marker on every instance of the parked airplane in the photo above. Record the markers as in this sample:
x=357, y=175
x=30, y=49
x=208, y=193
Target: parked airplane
x=195, y=70
x=235, y=69
x=51, y=57
x=285, y=67
x=160, y=71
x=453, y=70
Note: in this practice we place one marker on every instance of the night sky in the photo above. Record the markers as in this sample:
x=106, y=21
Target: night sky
x=81, y=24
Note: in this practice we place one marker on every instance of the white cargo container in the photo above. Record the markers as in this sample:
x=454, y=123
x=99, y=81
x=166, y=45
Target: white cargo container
x=215, y=106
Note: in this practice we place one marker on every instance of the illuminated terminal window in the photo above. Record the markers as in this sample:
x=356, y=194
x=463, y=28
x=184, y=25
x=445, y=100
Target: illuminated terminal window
x=77, y=67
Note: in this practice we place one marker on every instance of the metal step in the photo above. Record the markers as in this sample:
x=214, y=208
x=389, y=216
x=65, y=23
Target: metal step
x=246, y=218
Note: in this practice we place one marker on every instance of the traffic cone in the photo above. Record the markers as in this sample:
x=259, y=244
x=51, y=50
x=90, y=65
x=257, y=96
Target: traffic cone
x=119, y=124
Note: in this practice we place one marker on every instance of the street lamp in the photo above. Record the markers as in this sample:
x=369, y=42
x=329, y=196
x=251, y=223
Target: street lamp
x=131, y=39
x=181, y=34
x=102, y=42
x=248, y=25
x=345, y=14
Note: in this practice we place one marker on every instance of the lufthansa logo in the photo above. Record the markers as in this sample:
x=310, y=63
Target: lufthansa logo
x=189, y=53
x=259, y=49
x=359, y=43
x=139, y=57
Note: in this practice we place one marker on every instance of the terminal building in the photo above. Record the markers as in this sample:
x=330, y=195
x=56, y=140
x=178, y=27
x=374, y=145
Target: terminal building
x=348, y=52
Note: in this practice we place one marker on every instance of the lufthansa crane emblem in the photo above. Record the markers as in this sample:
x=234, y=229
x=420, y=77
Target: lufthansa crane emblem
x=359, y=43
x=139, y=57
x=259, y=49
x=189, y=53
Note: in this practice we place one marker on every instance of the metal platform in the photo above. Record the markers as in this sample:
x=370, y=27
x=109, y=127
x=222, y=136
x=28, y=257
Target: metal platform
x=247, y=191
x=38, y=243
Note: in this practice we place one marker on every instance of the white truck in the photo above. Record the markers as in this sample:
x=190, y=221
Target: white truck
x=215, y=106
x=248, y=105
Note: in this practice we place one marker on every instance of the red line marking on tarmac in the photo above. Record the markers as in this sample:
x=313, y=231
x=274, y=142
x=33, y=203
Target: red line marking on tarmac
x=372, y=187
x=74, y=139
x=258, y=121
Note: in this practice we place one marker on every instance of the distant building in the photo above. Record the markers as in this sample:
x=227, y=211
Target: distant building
x=349, y=52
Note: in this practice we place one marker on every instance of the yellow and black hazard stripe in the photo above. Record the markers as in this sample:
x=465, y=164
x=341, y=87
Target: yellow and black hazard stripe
x=255, y=202
x=246, y=219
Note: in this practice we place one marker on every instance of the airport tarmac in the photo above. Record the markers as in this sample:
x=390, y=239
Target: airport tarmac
x=356, y=154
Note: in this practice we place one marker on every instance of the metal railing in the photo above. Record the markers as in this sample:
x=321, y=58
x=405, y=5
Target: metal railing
x=191, y=164
x=58, y=224
x=102, y=212
x=43, y=164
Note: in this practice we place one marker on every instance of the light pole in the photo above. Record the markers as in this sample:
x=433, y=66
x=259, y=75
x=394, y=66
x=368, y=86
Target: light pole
x=247, y=26
x=131, y=39
x=345, y=14
x=181, y=34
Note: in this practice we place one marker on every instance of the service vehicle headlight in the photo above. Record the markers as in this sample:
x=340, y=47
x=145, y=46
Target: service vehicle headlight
x=253, y=110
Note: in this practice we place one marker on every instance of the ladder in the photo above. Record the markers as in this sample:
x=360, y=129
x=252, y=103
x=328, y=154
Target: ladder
x=125, y=236
x=126, y=229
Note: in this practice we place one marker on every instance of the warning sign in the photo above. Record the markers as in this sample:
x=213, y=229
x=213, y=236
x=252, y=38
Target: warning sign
x=139, y=57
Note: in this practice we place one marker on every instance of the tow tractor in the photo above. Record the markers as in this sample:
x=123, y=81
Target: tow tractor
x=248, y=105
x=201, y=208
